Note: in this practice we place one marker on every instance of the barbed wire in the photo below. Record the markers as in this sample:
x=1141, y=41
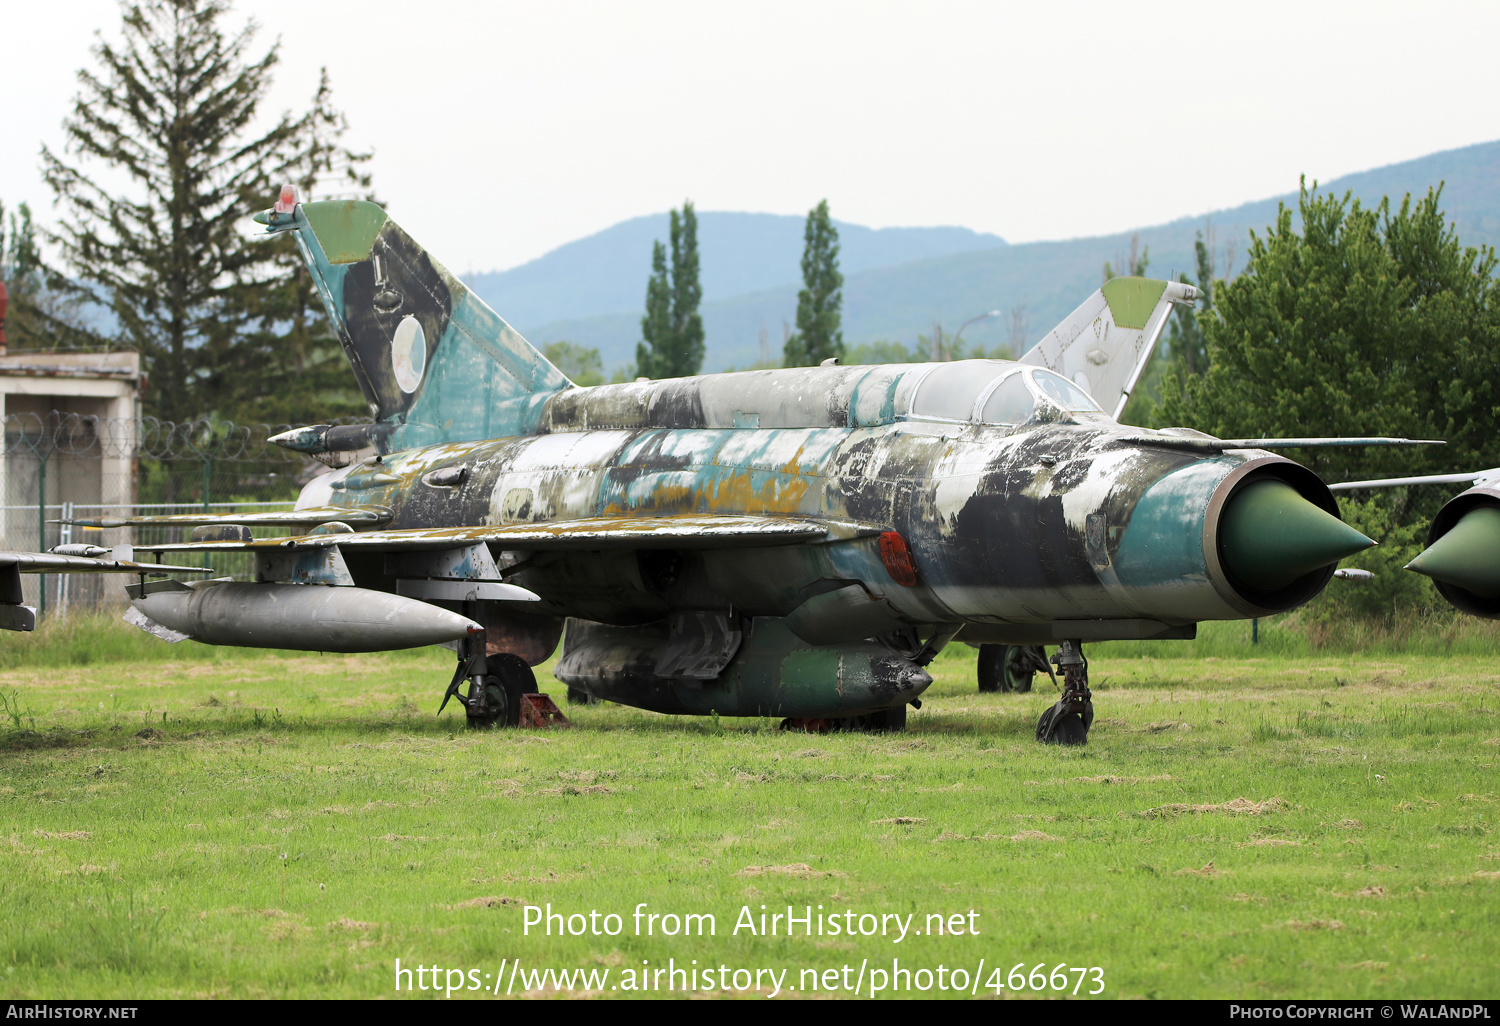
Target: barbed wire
x=42, y=435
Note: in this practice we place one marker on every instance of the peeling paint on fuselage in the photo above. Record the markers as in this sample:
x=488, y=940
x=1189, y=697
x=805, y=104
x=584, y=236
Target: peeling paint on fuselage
x=996, y=517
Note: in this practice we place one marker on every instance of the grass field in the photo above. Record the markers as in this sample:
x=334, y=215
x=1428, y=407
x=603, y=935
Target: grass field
x=1279, y=821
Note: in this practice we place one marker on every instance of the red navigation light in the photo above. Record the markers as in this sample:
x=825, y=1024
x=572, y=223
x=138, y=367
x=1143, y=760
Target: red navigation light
x=287, y=200
x=896, y=555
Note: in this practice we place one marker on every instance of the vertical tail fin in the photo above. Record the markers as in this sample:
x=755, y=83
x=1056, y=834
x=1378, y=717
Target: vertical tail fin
x=1104, y=345
x=434, y=362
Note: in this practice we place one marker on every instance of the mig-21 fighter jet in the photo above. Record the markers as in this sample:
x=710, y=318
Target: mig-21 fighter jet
x=795, y=543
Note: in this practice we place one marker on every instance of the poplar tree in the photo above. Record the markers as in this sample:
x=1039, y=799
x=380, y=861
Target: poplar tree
x=687, y=325
x=168, y=112
x=819, y=333
x=672, y=343
x=656, y=327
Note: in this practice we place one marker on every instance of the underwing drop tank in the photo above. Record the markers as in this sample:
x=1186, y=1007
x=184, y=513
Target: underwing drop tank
x=303, y=617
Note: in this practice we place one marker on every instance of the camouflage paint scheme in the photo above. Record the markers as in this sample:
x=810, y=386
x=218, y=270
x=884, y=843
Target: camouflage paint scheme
x=716, y=541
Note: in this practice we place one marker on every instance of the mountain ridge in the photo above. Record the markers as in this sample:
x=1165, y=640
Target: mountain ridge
x=739, y=253
x=1045, y=280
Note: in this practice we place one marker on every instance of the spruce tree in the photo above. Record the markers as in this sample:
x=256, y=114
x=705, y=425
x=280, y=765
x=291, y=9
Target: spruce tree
x=672, y=343
x=289, y=366
x=20, y=270
x=169, y=111
x=819, y=335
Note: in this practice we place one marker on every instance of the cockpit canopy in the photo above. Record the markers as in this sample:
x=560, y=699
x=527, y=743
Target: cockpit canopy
x=998, y=392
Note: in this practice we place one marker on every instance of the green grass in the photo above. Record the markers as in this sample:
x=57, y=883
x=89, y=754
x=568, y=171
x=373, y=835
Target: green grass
x=1268, y=822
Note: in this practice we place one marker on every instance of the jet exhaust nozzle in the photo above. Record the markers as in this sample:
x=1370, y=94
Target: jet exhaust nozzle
x=1269, y=536
x=305, y=617
x=1467, y=555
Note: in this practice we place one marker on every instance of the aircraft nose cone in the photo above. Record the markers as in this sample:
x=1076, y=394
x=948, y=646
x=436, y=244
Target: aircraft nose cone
x=1269, y=536
x=1468, y=555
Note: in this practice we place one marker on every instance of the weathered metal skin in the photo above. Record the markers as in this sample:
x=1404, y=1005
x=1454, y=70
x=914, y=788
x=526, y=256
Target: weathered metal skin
x=997, y=518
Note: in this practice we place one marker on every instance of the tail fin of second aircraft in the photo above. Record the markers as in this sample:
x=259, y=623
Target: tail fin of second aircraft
x=434, y=362
x=1104, y=345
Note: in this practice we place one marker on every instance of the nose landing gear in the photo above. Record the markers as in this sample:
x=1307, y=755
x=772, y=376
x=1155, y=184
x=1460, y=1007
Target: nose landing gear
x=1068, y=722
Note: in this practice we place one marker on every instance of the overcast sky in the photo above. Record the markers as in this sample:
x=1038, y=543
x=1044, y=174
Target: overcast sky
x=504, y=129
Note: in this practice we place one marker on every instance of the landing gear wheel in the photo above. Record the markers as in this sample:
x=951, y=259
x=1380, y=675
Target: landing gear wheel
x=485, y=705
x=509, y=678
x=1021, y=662
x=517, y=680
x=1009, y=668
x=992, y=667
x=578, y=696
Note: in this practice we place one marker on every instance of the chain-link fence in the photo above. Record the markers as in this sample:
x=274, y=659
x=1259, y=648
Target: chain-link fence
x=60, y=466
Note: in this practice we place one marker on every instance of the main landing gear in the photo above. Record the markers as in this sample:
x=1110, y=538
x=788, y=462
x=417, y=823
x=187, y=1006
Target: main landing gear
x=496, y=684
x=1010, y=668
x=1068, y=722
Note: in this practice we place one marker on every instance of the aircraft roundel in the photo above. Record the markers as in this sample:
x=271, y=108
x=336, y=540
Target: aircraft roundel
x=409, y=353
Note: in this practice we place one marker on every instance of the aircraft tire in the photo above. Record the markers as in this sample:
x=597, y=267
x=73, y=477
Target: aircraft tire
x=517, y=679
x=1017, y=671
x=1070, y=731
x=1005, y=668
x=578, y=696
x=510, y=678
x=992, y=660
